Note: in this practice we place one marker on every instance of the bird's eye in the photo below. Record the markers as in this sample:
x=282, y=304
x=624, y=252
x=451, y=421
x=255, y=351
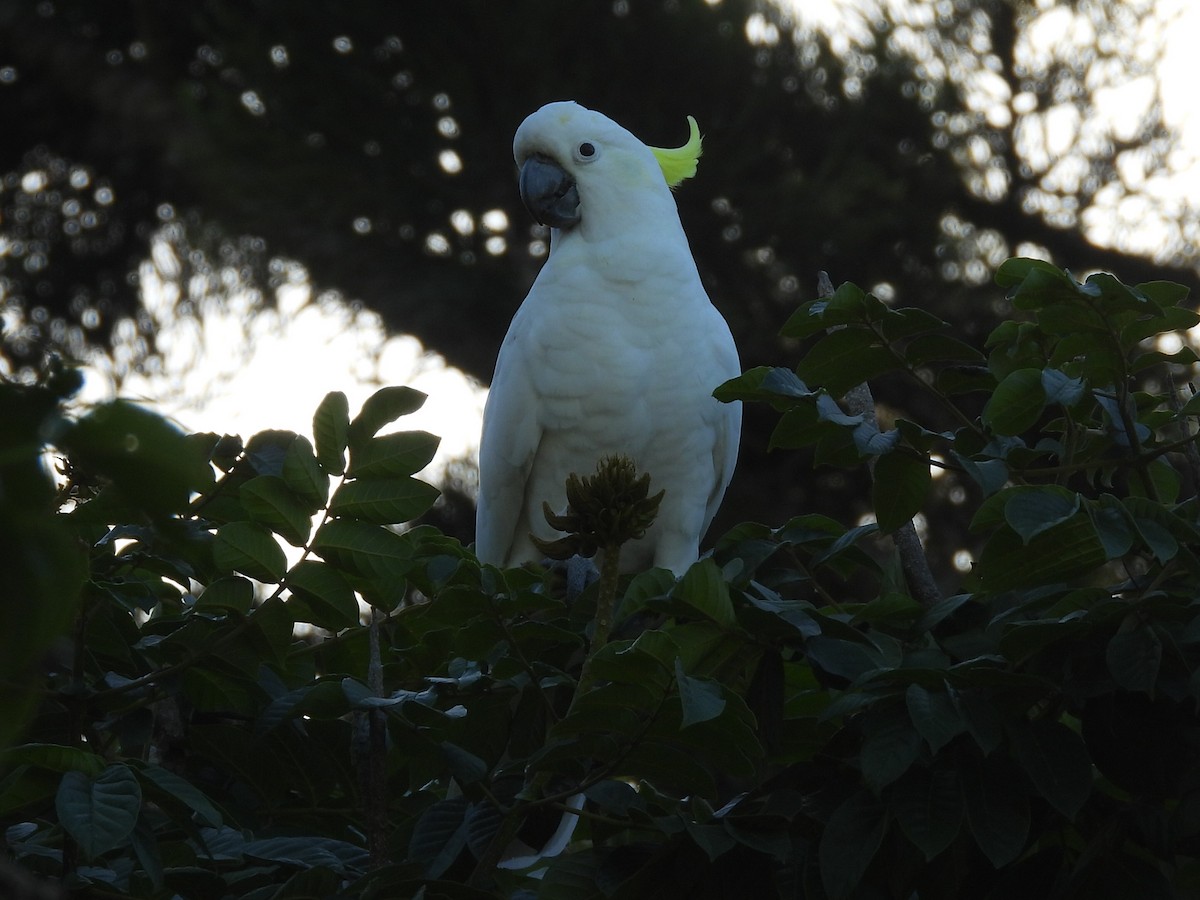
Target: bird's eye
x=587, y=150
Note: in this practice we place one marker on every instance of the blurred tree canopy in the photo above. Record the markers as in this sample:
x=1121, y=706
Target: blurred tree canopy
x=910, y=153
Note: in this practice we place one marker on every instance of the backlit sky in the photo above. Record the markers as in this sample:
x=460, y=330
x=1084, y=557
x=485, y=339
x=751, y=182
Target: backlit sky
x=221, y=375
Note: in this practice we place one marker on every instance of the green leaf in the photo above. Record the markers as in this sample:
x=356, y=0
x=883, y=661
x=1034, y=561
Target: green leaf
x=145, y=848
x=703, y=588
x=744, y=387
x=1129, y=872
x=929, y=807
x=302, y=473
x=934, y=714
x=941, y=348
x=967, y=379
x=1031, y=511
x=152, y=464
x=271, y=502
x=989, y=474
x=1072, y=322
x=807, y=321
x=997, y=813
x=273, y=624
x=844, y=658
x=266, y=451
x=849, y=843
x=183, y=791
x=901, y=483
x=1164, y=293
x=308, y=851
x=99, y=813
x=845, y=358
x=848, y=302
x=1026, y=638
x=890, y=748
x=249, y=548
x=1158, y=538
x=383, y=407
x=1184, y=356
x=316, y=881
x=1173, y=319
x=797, y=427
x=617, y=797
x=1061, y=388
x=54, y=757
x=1112, y=526
x=1043, y=287
x=1012, y=272
x=714, y=840
x=1016, y=403
x=465, y=766
x=941, y=610
x=212, y=692
x=656, y=645
x=980, y=715
x=847, y=305
x=892, y=608
x=1069, y=549
x=782, y=382
x=644, y=587
x=331, y=428
x=383, y=501
x=870, y=441
x=701, y=699
x=439, y=836
x=1166, y=480
x=786, y=613
x=359, y=548
x=400, y=453
x=228, y=592
x=483, y=820
x=768, y=838
x=1143, y=510
x=321, y=596
x=1056, y=760
x=1115, y=295
x=1134, y=656
x=1192, y=407
x=909, y=321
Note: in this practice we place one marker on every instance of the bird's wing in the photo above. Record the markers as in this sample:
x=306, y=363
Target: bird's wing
x=728, y=426
x=725, y=452
x=507, y=446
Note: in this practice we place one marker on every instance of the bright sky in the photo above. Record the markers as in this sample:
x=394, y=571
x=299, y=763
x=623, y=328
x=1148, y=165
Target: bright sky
x=239, y=369
x=1161, y=35
x=221, y=374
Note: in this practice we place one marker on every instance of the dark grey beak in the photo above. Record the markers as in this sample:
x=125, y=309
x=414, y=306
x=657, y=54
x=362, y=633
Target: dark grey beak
x=548, y=192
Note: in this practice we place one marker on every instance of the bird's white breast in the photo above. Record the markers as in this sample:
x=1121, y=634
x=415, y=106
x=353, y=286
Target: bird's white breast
x=625, y=364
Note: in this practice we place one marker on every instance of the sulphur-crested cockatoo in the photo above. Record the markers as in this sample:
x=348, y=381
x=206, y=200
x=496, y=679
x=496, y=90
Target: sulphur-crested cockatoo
x=616, y=349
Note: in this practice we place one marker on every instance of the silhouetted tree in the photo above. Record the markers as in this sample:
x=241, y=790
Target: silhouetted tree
x=372, y=143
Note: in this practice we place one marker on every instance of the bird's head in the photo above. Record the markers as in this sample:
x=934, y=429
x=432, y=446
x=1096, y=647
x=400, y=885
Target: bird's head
x=576, y=163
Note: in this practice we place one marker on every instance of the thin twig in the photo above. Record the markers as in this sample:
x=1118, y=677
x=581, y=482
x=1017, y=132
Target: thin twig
x=606, y=601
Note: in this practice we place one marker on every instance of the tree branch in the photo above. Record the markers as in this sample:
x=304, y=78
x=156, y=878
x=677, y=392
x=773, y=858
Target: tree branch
x=917, y=573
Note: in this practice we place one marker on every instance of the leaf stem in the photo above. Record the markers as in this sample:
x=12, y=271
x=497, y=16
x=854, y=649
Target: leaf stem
x=606, y=602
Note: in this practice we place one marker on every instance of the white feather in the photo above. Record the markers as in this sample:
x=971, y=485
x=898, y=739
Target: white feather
x=616, y=349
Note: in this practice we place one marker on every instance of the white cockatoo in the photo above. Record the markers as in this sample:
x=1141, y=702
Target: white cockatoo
x=616, y=349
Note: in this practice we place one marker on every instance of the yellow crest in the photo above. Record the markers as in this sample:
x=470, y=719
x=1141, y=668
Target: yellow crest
x=680, y=162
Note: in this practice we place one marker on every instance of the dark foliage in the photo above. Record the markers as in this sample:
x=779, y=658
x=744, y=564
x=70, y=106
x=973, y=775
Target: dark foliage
x=790, y=721
x=314, y=132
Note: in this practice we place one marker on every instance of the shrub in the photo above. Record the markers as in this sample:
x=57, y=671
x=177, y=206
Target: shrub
x=795, y=716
